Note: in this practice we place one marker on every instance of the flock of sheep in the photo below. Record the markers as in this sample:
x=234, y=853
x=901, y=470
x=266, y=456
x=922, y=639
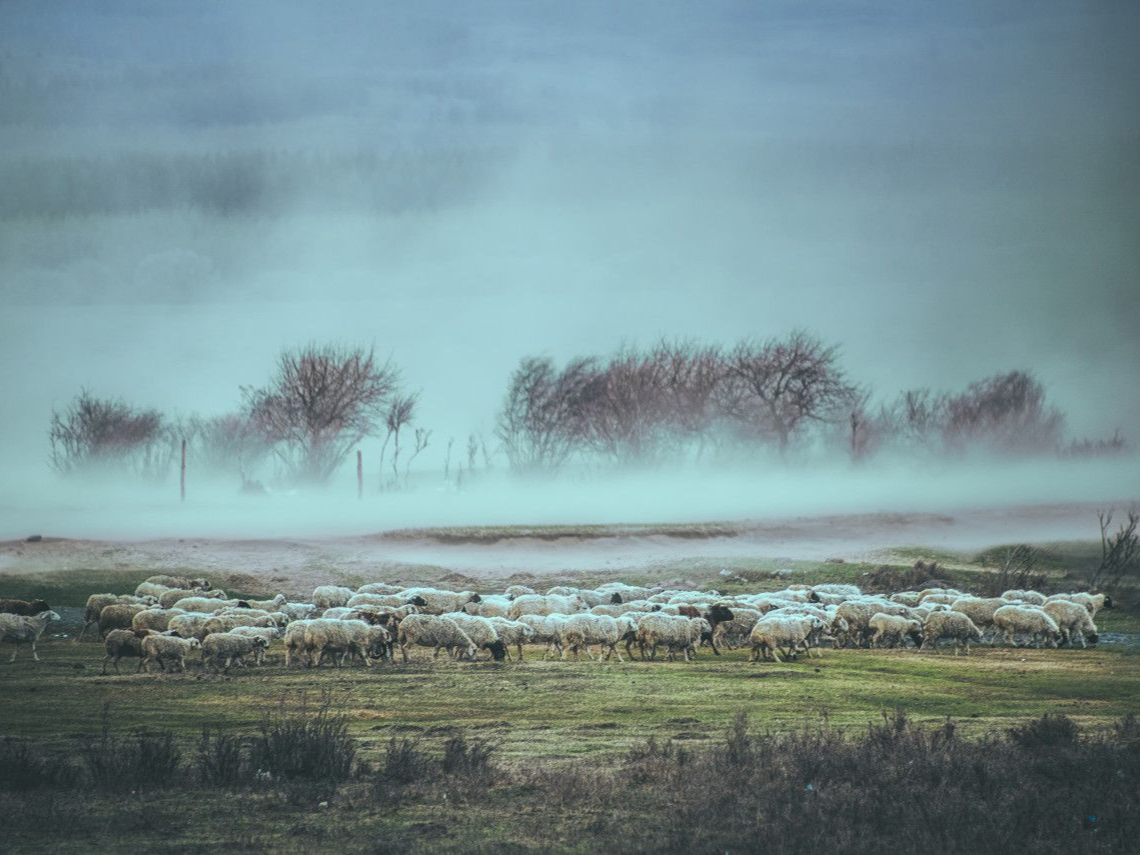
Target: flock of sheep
x=169, y=617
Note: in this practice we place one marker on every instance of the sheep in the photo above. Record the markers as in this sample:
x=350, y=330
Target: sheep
x=588, y=597
x=547, y=630
x=437, y=602
x=95, y=605
x=156, y=619
x=24, y=629
x=673, y=631
x=326, y=636
x=331, y=596
x=858, y=614
x=482, y=633
x=178, y=582
x=513, y=632
x=906, y=598
x=297, y=611
x=1033, y=598
x=1030, y=620
x=379, y=588
x=980, y=610
x=835, y=588
x=124, y=642
x=582, y=630
x=1092, y=602
x=268, y=633
x=294, y=639
x=207, y=604
x=163, y=648
x=226, y=622
x=393, y=601
x=223, y=646
x=626, y=592
x=172, y=596
x=734, y=633
x=118, y=616
x=518, y=591
x=949, y=624
x=434, y=631
x=189, y=625
x=895, y=630
x=490, y=606
x=1072, y=619
x=550, y=604
x=271, y=605
x=150, y=589
x=23, y=607
x=771, y=634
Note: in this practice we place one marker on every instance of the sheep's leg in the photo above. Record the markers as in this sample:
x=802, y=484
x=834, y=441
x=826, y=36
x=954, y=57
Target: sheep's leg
x=105, y=658
x=520, y=647
x=34, y=654
x=404, y=651
x=775, y=652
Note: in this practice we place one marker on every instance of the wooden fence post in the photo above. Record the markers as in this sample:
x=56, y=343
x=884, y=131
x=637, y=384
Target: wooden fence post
x=182, y=484
x=359, y=474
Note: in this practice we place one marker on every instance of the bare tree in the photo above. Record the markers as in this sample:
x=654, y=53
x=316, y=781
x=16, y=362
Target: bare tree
x=447, y=459
x=775, y=388
x=1120, y=552
x=399, y=414
x=916, y=418
x=626, y=407
x=1006, y=412
x=422, y=437
x=229, y=444
x=320, y=403
x=541, y=420
x=104, y=434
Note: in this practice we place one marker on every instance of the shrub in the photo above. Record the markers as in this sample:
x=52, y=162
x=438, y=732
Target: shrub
x=302, y=746
x=25, y=766
x=1049, y=731
x=221, y=760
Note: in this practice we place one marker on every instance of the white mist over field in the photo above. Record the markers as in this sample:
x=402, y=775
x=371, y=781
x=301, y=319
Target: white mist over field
x=943, y=191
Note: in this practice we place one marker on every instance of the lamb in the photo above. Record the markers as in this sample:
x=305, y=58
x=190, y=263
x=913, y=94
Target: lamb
x=331, y=596
x=949, y=624
x=268, y=633
x=482, y=633
x=1072, y=619
x=23, y=607
x=582, y=630
x=673, y=631
x=437, y=602
x=434, y=631
x=1033, y=598
x=22, y=629
x=980, y=610
x=123, y=642
x=895, y=630
x=156, y=619
x=1029, y=620
x=178, y=582
x=535, y=604
x=164, y=648
x=513, y=632
x=175, y=594
x=118, y=616
x=326, y=636
x=225, y=647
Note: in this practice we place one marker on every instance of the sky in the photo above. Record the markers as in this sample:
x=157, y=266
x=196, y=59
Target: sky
x=943, y=190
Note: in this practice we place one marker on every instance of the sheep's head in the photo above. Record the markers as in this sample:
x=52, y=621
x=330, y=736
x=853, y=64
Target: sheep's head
x=417, y=600
x=1093, y=638
x=48, y=615
x=200, y=584
x=261, y=641
x=719, y=614
x=38, y=606
x=616, y=599
x=1108, y=604
x=194, y=643
x=498, y=650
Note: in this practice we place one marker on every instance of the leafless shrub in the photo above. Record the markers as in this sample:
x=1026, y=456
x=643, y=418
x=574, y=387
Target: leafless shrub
x=541, y=420
x=105, y=434
x=1111, y=447
x=229, y=444
x=1120, y=552
x=1016, y=568
x=320, y=403
x=1006, y=412
x=398, y=414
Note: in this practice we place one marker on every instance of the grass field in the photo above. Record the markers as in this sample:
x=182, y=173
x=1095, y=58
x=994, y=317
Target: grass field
x=538, y=719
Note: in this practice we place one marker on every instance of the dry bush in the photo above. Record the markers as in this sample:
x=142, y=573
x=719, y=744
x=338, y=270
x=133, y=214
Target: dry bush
x=108, y=435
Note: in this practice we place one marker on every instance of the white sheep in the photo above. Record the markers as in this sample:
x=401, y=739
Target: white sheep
x=772, y=634
x=1092, y=602
x=949, y=624
x=513, y=632
x=482, y=633
x=581, y=630
x=895, y=630
x=189, y=625
x=550, y=604
x=1073, y=620
x=734, y=633
x=325, y=636
x=172, y=596
x=518, y=591
x=150, y=589
x=547, y=630
x=906, y=598
x=164, y=648
x=298, y=611
x=271, y=605
x=438, y=602
x=179, y=582
x=436, y=632
x=379, y=588
x=268, y=633
x=331, y=596
x=203, y=604
x=490, y=606
x=675, y=632
x=1028, y=620
x=222, y=649
x=118, y=616
x=294, y=640
x=22, y=629
x=1017, y=595
x=981, y=611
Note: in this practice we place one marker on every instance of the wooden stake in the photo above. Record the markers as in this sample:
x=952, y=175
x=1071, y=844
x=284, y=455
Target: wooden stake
x=182, y=485
x=359, y=474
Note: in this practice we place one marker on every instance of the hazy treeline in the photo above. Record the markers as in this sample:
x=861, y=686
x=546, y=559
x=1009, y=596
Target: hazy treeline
x=671, y=404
